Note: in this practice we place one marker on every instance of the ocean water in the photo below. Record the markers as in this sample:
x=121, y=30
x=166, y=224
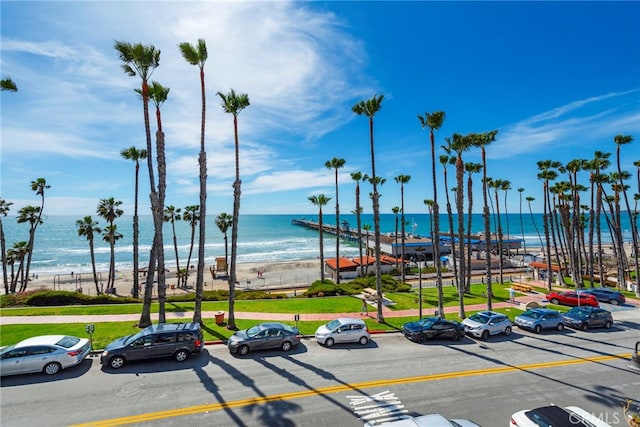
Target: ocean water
x=261, y=238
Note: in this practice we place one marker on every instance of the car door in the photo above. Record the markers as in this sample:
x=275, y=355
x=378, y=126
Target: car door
x=275, y=338
x=571, y=298
x=343, y=333
x=140, y=349
x=260, y=340
x=11, y=362
x=439, y=329
x=163, y=344
x=495, y=325
x=547, y=321
x=597, y=319
x=37, y=356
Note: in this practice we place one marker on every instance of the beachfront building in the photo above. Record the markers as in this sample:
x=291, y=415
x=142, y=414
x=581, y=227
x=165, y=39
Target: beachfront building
x=352, y=268
x=415, y=248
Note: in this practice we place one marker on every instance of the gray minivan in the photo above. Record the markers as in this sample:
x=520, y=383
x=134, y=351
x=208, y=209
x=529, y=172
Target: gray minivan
x=177, y=340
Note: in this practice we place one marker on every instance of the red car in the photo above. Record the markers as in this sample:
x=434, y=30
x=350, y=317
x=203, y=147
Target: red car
x=572, y=298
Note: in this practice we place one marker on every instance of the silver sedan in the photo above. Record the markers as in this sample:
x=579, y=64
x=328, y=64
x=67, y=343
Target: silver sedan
x=46, y=353
x=264, y=336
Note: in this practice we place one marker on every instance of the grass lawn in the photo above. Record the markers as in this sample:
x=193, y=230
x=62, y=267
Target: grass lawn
x=106, y=332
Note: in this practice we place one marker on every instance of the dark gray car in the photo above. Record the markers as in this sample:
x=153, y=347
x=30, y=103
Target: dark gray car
x=264, y=336
x=177, y=340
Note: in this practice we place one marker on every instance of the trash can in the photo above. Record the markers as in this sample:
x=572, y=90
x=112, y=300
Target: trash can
x=219, y=317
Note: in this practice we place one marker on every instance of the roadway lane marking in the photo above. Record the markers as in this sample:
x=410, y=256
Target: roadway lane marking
x=210, y=407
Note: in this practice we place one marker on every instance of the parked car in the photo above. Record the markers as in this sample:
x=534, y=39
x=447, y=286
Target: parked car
x=433, y=327
x=572, y=298
x=537, y=319
x=606, y=295
x=431, y=420
x=264, y=336
x=343, y=330
x=587, y=317
x=177, y=340
x=486, y=323
x=45, y=353
x=556, y=416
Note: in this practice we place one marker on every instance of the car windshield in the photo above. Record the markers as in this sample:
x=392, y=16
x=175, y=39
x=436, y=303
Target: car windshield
x=133, y=337
x=68, y=342
x=480, y=318
x=253, y=331
x=427, y=322
x=333, y=325
x=578, y=311
x=532, y=314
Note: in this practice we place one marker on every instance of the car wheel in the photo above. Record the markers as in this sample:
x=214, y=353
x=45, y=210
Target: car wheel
x=537, y=329
x=329, y=342
x=117, y=362
x=286, y=346
x=614, y=302
x=485, y=335
x=363, y=340
x=52, y=368
x=560, y=326
x=584, y=326
x=422, y=338
x=456, y=336
x=507, y=330
x=243, y=350
x=181, y=355
x=608, y=324
x=554, y=301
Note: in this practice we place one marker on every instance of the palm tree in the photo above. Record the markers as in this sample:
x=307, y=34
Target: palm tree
x=108, y=210
x=496, y=184
x=192, y=216
x=429, y=204
x=197, y=55
x=30, y=215
x=8, y=84
x=224, y=221
x=111, y=235
x=132, y=153
x=396, y=211
x=172, y=214
x=434, y=122
x=141, y=60
x=402, y=180
x=470, y=168
x=547, y=174
x=38, y=186
x=357, y=176
x=369, y=108
x=17, y=254
x=482, y=140
x=88, y=227
x=621, y=140
x=447, y=159
x=367, y=228
x=158, y=95
x=520, y=191
x=4, y=210
x=234, y=103
x=321, y=200
x=336, y=164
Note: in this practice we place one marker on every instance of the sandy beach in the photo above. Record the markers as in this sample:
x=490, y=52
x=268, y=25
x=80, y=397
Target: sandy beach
x=258, y=275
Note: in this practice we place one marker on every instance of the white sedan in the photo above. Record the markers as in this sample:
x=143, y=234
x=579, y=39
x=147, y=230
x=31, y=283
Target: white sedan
x=556, y=416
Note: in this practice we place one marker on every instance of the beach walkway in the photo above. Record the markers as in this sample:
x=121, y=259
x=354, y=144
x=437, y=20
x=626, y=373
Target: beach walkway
x=520, y=303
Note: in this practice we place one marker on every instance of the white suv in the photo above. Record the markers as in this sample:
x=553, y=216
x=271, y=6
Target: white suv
x=343, y=330
x=486, y=323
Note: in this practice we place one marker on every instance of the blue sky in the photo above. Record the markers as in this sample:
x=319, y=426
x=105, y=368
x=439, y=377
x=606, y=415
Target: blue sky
x=558, y=80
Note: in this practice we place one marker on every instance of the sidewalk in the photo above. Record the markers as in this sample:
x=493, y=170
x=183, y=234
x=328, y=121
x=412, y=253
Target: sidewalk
x=387, y=312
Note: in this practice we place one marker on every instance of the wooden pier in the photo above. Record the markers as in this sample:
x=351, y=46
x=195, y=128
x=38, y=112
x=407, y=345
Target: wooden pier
x=346, y=232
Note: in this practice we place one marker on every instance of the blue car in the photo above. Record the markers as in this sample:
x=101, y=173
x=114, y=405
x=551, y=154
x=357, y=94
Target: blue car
x=606, y=295
x=537, y=319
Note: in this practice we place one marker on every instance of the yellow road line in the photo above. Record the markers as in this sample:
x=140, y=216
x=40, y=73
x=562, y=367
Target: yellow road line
x=340, y=388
